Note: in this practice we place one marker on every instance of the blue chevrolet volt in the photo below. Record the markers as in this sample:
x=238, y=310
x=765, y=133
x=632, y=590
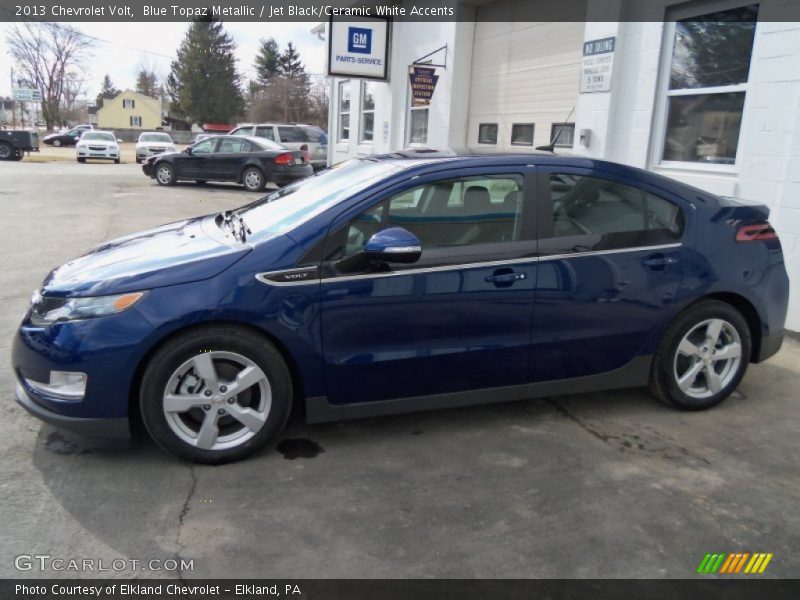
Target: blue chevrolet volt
x=405, y=282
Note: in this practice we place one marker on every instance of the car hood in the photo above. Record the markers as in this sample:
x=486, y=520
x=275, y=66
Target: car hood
x=177, y=253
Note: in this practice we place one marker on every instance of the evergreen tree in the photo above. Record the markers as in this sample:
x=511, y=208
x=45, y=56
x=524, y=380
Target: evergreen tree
x=107, y=91
x=267, y=61
x=203, y=81
x=147, y=84
x=296, y=84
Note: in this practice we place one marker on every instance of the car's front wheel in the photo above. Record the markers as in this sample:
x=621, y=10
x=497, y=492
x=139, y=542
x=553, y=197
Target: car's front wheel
x=216, y=394
x=81, y=160
x=6, y=151
x=56, y=143
x=253, y=179
x=703, y=356
x=165, y=174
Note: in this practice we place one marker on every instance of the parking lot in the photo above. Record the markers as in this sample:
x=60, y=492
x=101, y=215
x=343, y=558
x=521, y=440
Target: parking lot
x=595, y=485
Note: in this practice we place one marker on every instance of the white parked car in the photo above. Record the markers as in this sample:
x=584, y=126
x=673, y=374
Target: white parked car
x=98, y=144
x=151, y=144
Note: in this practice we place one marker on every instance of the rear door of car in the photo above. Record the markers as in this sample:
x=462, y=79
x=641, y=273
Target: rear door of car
x=229, y=158
x=456, y=320
x=612, y=261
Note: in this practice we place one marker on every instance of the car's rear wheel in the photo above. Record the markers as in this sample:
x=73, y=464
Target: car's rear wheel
x=200, y=181
x=56, y=143
x=6, y=151
x=703, y=356
x=165, y=174
x=138, y=160
x=81, y=160
x=216, y=394
x=253, y=179
x=116, y=161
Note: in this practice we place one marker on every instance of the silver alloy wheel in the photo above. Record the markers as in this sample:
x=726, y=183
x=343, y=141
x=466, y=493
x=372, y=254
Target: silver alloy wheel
x=164, y=174
x=5, y=151
x=252, y=179
x=707, y=358
x=217, y=400
x=56, y=143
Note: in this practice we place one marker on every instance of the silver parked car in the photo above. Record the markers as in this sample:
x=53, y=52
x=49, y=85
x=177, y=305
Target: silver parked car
x=153, y=143
x=306, y=138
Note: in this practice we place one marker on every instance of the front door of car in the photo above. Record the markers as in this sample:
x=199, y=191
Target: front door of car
x=459, y=318
x=199, y=164
x=231, y=154
x=611, y=264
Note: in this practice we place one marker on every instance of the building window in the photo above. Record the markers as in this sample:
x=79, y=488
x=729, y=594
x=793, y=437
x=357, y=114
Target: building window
x=367, y=127
x=128, y=103
x=487, y=133
x=562, y=134
x=344, y=111
x=706, y=85
x=418, y=125
x=136, y=121
x=522, y=134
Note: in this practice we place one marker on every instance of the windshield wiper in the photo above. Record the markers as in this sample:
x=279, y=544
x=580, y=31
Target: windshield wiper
x=236, y=223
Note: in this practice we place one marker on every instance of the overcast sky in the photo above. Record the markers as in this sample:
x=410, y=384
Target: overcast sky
x=126, y=44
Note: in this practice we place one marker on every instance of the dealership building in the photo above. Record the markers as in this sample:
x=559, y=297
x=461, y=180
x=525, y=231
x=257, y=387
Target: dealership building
x=706, y=92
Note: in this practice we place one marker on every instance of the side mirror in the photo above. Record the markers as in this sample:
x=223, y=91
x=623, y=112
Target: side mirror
x=188, y=151
x=393, y=245
x=119, y=140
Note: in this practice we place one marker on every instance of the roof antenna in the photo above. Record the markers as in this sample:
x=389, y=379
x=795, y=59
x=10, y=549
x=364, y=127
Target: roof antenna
x=551, y=147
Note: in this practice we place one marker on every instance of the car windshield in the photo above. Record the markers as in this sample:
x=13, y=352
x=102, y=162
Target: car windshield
x=293, y=205
x=98, y=135
x=155, y=137
x=266, y=144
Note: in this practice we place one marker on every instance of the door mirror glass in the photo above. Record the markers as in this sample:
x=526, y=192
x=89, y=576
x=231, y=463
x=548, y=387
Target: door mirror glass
x=393, y=245
x=119, y=140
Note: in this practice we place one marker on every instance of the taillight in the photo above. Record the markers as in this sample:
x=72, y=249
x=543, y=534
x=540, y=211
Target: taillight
x=287, y=158
x=756, y=232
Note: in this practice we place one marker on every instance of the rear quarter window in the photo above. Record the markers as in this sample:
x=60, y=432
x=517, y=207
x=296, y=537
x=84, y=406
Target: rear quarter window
x=290, y=134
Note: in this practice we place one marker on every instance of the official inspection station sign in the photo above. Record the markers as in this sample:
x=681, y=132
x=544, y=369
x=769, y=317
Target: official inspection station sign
x=359, y=48
x=423, y=83
x=597, y=65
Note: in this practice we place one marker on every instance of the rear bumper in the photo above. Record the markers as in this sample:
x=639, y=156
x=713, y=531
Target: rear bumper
x=290, y=174
x=105, y=428
x=770, y=345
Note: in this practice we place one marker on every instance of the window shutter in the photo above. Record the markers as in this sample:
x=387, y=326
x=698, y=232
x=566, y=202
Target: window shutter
x=133, y=103
x=131, y=121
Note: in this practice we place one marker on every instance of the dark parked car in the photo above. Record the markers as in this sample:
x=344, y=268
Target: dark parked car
x=253, y=162
x=14, y=144
x=395, y=283
x=64, y=138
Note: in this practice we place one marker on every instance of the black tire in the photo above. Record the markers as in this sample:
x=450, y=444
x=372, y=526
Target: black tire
x=216, y=338
x=166, y=167
x=138, y=160
x=663, y=375
x=200, y=181
x=81, y=160
x=253, y=179
x=116, y=161
x=7, y=151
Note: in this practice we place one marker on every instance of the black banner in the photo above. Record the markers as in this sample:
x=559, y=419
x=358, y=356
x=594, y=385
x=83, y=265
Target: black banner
x=395, y=589
x=67, y=11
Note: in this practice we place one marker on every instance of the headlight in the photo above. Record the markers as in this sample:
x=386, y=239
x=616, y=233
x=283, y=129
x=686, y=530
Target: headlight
x=47, y=309
x=172, y=149
x=81, y=145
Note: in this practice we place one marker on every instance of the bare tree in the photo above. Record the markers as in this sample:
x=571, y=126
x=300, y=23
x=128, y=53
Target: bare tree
x=45, y=53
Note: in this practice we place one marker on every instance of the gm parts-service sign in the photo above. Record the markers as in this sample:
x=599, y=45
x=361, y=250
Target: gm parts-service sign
x=358, y=48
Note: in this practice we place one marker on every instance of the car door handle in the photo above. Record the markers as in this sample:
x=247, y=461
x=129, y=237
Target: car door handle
x=659, y=261
x=504, y=278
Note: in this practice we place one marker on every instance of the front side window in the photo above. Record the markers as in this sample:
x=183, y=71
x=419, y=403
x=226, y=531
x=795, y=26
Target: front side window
x=591, y=206
x=344, y=111
x=454, y=212
x=562, y=134
x=367, y=111
x=204, y=147
x=266, y=132
x=229, y=146
x=242, y=131
x=708, y=76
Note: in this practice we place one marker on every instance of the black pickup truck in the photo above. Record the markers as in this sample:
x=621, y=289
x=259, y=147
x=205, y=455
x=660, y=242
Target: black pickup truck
x=14, y=144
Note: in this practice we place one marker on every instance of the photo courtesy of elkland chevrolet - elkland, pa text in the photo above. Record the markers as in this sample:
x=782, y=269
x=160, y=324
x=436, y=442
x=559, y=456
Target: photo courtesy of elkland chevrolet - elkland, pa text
x=400, y=299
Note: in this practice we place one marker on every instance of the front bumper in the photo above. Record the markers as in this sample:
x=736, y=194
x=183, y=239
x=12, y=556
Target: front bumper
x=147, y=169
x=109, y=154
x=105, y=428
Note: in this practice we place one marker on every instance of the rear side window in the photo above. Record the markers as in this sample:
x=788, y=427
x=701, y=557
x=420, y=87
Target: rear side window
x=313, y=135
x=265, y=132
x=592, y=206
x=290, y=134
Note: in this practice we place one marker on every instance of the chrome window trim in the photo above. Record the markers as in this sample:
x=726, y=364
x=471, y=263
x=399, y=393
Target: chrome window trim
x=264, y=277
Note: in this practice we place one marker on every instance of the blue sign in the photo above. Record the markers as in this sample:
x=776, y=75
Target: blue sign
x=359, y=40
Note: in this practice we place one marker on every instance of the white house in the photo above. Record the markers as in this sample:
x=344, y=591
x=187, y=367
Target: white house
x=709, y=94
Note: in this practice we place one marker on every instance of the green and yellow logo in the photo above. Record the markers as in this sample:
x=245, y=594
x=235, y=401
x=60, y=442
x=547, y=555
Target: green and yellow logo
x=735, y=563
